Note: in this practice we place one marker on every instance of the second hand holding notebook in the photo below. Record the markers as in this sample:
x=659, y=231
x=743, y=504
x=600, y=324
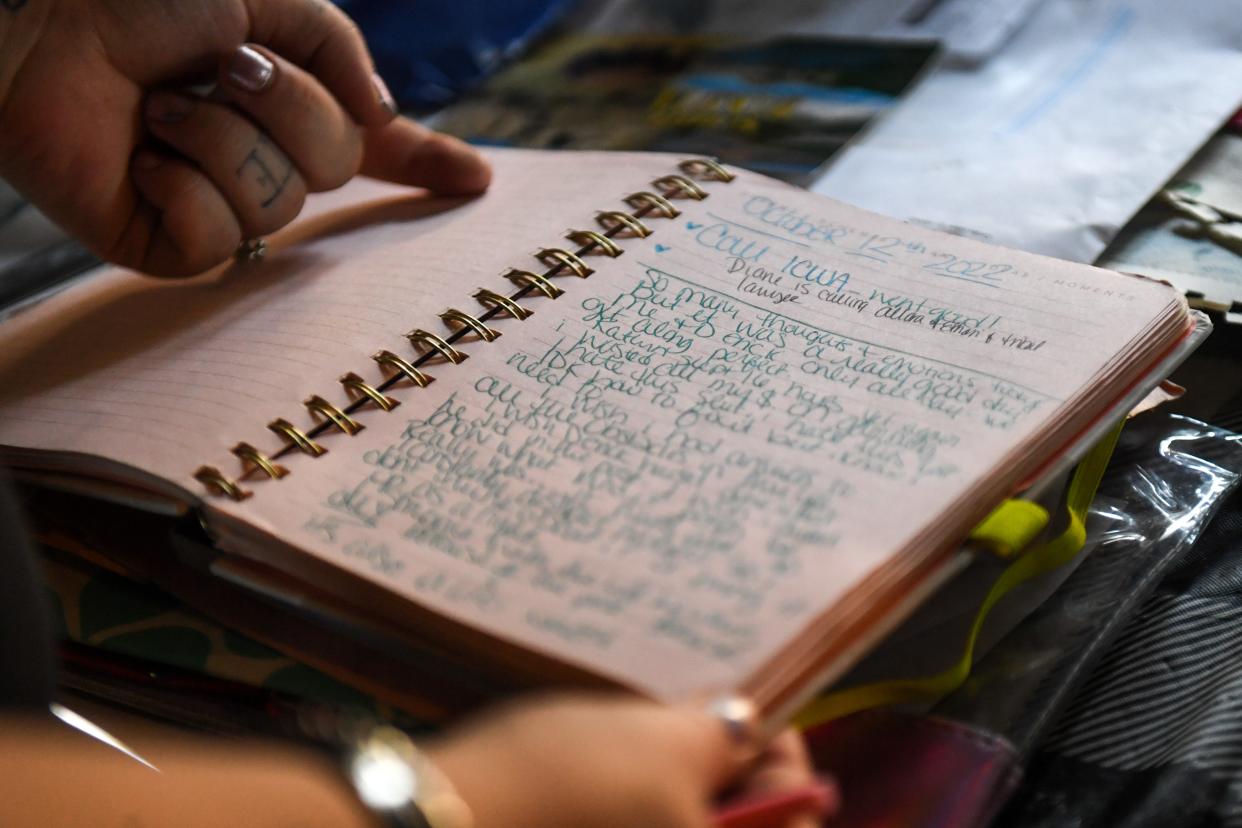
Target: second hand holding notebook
x=722, y=440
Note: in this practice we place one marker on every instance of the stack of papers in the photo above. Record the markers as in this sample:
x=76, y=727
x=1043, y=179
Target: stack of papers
x=1191, y=235
x=968, y=29
x=1053, y=143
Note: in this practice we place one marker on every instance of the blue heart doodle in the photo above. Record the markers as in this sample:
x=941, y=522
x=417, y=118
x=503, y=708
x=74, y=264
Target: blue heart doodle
x=660, y=248
x=693, y=225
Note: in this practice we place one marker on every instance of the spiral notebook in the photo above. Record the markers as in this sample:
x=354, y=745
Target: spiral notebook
x=624, y=418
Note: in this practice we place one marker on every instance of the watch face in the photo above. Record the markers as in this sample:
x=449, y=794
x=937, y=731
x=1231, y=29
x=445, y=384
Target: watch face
x=384, y=781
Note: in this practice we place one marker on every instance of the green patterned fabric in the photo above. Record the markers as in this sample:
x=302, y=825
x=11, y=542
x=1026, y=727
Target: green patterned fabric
x=101, y=609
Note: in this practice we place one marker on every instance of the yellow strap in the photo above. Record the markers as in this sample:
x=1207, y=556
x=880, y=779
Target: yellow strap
x=1045, y=558
x=1011, y=527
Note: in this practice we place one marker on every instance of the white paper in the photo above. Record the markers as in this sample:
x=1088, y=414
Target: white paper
x=969, y=29
x=1056, y=141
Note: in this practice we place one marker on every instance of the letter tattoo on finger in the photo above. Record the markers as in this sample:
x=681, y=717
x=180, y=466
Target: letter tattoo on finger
x=12, y=5
x=270, y=168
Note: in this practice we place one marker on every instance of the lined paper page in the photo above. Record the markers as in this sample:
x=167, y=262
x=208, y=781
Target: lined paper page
x=165, y=376
x=666, y=473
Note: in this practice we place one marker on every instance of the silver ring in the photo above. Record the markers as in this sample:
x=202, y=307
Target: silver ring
x=251, y=250
x=739, y=717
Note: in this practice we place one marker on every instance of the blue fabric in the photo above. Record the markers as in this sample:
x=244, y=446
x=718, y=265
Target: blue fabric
x=429, y=51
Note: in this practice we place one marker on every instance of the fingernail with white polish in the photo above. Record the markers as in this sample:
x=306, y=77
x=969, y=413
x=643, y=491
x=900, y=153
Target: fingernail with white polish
x=385, y=97
x=249, y=70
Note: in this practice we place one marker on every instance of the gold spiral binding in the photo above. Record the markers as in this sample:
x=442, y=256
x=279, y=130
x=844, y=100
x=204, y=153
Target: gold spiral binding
x=453, y=316
x=592, y=238
x=295, y=437
x=387, y=359
x=215, y=481
x=503, y=304
x=706, y=168
x=425, y=342
x=614, y=222
x=319, y=407
x=252, y=458
x=612, y=219
x=657, y=204
x=680, y=184
x=358, y=388
x=556, y=258
x=527, y=279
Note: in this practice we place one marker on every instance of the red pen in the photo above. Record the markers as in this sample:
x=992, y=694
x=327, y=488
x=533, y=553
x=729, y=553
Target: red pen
x=771, y=810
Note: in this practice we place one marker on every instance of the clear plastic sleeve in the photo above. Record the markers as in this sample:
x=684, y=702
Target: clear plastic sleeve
x=1167, y=478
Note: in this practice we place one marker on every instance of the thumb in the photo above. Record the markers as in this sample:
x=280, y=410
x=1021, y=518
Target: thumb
x=712, y=746
x=322, y=39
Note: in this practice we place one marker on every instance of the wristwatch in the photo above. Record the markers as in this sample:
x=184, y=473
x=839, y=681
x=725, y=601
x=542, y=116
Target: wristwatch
x=400, y=785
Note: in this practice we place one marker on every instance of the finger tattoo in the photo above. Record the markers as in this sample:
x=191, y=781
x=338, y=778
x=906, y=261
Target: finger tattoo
x=270, y=169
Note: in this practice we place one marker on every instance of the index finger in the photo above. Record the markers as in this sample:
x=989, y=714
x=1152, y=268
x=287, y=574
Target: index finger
x=322, y=39
x=408, y=153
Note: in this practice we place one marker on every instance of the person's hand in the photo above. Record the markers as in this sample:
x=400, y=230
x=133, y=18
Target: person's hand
x=581, y=762
x=97, y=127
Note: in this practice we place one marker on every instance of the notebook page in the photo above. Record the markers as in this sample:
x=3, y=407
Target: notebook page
x=666, y=473
x=165, y=376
